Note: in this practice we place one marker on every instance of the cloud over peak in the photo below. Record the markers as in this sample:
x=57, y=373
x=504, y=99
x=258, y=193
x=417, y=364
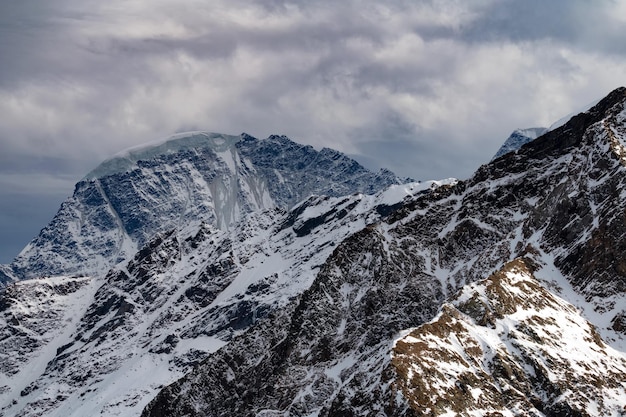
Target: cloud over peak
x=426, y=88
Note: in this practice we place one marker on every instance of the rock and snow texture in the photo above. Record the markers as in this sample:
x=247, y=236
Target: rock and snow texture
x=296, y=312
x=508, y=345
x=218, y=179
x=37, y=318
x=183, y=296
x=518, y=138
x=6, y=275
x=560, y=199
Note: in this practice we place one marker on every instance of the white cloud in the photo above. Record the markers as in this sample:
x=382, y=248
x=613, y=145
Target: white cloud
x=81, y=80
x=86, y=79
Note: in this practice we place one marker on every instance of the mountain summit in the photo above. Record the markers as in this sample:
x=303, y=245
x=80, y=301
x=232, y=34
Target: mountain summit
x=189, y=178
x=518, y=138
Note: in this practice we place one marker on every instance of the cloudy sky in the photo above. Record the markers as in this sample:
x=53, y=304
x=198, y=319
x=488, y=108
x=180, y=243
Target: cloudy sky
x=429, y=89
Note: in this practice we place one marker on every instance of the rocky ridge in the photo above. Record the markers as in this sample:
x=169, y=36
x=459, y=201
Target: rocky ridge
x=508, y=345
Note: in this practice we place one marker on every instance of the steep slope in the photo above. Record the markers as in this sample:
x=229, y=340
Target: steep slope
x=518, y=138
x=6, y=275
x=183, y=296
x=297, y=312
x=190, y=178
x=37, y=317
x=559, y=199
x=508, y=345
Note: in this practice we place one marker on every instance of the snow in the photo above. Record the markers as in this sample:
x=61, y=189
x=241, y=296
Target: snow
x=543, y=327
x=127, y=159
x=341, y=365
x=396, y=193
x=71, y=308
x=558, y=283
x=563, y=120
x=229, y=159
x=518, y=138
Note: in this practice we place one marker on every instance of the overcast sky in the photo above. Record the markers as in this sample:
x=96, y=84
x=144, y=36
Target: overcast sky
x=428, y=89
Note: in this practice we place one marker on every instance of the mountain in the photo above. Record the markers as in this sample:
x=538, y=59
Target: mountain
x=558, y=199
x=510, y=283
x=518, y=138
x=508, y=345
x=190, y=178
x=90, y=345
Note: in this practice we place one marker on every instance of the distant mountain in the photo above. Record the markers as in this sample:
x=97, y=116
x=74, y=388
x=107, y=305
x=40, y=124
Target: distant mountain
x=504, y=294
x=190, y=178
x=518, y=138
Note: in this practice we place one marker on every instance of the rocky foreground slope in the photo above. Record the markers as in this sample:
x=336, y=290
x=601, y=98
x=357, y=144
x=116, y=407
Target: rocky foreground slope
x=508, y=345
x=306, y=311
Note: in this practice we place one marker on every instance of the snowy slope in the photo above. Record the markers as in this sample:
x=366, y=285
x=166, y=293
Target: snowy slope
x=185, y=295
x=508, y=345
x=38, y=317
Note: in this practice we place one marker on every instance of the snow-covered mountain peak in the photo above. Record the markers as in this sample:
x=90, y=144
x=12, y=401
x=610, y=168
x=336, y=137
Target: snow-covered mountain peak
x=127, y=159
x=294, y=310
x=518, y=138
x=188, y=178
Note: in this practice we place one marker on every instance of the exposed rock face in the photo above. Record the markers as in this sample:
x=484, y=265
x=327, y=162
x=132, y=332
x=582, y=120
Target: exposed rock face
x=508, y=345
x=218, y=179
x=555, y=200
x=325, y=353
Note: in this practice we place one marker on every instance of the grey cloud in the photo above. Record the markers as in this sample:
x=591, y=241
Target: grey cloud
x=580, y=23
x=427, y=88
x=413, y=152
x=36, y=40
x=20, y=163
